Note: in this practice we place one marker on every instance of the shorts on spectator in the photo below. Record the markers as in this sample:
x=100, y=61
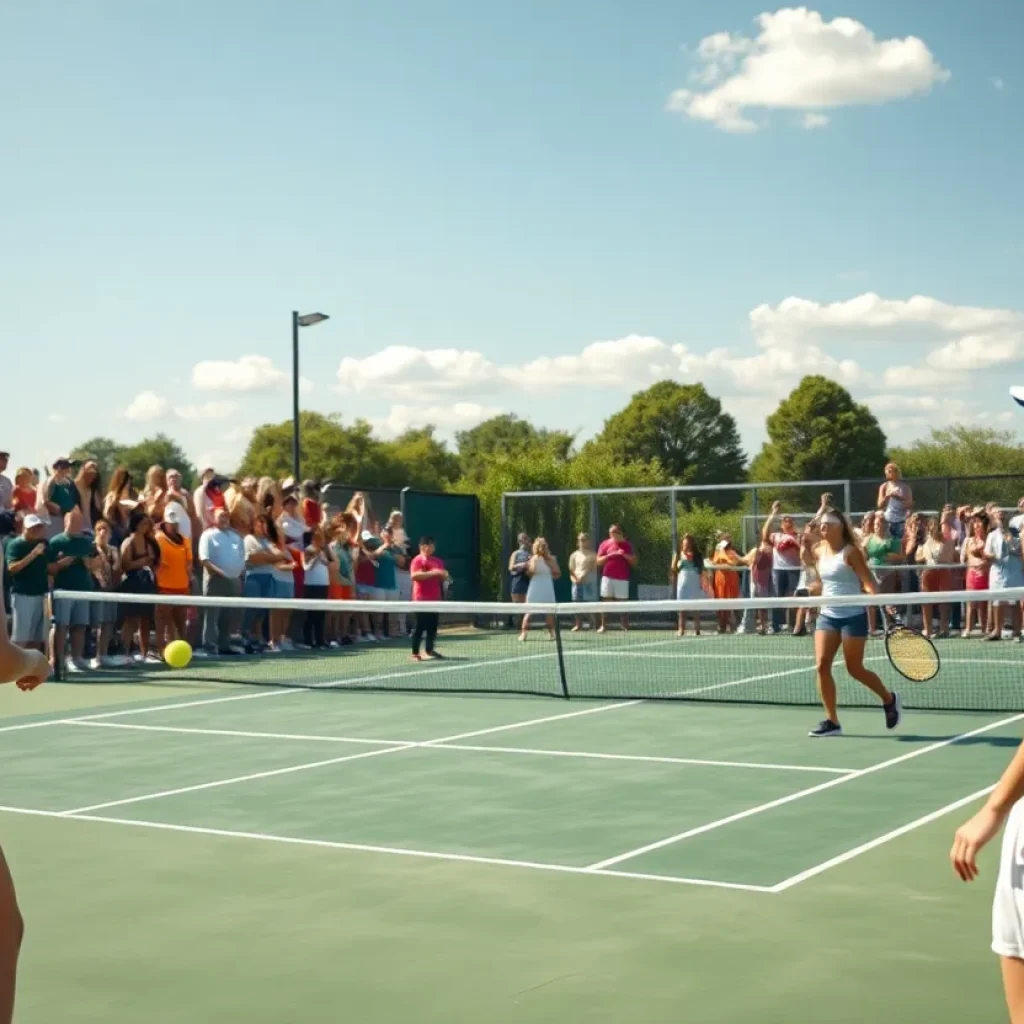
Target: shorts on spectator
x=104, y=613
x=365, y=593
x=584, y=592
x=977, y=579
x=28, y=618
x=614, y=590
x=284, y=589
x=258, y=585
x=70, y=612
x=344, y=591
x=387, y=595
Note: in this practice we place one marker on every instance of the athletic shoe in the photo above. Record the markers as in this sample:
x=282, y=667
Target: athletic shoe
x=893, y=712
x=435, y=656
x=826, y=727
x=74, y=667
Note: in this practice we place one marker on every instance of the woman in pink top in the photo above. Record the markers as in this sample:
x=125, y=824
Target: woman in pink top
x=428, y=576
x=615, y=559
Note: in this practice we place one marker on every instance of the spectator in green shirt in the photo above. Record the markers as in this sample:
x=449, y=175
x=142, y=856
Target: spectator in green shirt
x=73, y=560
x=59, y=494
x=882, y=550
x=28, y=559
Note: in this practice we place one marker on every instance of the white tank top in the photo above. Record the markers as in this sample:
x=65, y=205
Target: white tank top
x=838, y=580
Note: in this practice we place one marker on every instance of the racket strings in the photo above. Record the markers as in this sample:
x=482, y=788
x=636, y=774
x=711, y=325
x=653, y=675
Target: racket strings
x=912, y=655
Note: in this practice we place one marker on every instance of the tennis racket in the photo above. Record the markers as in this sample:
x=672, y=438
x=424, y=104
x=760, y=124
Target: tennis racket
x=911, y=653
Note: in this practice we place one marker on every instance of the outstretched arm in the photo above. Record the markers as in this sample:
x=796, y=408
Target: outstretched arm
x=979, y=830
x=26, y=668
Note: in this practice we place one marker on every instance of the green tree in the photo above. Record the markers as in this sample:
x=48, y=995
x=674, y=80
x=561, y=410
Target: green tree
x=964, y=451
x=159, y=450
x=104, y=450
x=681, y=427
x=420, y=460
x=502, y=436
x=351, y=454
x=645, y=517
x=819, y=432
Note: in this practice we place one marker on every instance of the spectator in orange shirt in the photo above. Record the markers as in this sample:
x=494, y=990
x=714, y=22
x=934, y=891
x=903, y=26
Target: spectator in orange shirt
x=173, y=574
x=727, y=581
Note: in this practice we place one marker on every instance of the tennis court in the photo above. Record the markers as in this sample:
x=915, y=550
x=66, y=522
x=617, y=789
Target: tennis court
x=197, y=850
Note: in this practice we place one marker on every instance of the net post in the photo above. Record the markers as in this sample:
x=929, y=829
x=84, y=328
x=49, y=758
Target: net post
x=506, y=553
x=560, y=654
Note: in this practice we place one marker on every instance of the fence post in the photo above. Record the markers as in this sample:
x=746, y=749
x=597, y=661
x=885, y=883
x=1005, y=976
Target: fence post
x=506, y=552
x=595, y=523
x=673, y=512
x=847, y=497
x=753, y=510
x=947, y=491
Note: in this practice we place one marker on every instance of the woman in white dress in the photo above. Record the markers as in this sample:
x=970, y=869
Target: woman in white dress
x=543, y=571
x=687, y=570
x=1003, y=553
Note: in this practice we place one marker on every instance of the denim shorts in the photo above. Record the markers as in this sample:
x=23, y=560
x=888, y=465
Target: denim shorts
x=584, y=592
x=284, y=589
x=854, y=626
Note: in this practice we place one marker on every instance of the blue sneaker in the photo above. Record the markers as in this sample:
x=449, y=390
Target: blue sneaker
x=826, y=727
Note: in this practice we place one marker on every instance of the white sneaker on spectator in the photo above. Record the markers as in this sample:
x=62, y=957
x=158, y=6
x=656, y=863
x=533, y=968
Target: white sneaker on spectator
x=96, y=663
x=138, y=657
x=74, y=667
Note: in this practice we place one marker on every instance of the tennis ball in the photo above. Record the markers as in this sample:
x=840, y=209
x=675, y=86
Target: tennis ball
x=177, y=654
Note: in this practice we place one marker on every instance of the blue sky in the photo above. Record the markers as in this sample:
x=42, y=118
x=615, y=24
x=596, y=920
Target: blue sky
x=502, y=209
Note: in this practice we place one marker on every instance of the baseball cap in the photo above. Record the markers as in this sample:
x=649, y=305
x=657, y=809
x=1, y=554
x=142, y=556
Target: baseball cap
x=174, y=513
x=32, y=520
x=61, y=460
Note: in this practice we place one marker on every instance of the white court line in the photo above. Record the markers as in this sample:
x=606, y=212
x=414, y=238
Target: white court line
x=337, y=760
x=148, y=708
x=641, y=757
x=800, y=794
x=842, y=858
x=291, y=769
x=397, y=850
x=305, y=737
x=435, y=745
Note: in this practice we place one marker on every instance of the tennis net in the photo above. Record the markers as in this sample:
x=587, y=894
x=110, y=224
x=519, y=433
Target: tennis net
x=366, y=645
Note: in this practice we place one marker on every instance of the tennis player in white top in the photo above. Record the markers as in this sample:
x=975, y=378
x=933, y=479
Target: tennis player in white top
x=1005, y=804
x=843, y=572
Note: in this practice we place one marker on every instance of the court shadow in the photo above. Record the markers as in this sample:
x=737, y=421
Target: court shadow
x=984, y=739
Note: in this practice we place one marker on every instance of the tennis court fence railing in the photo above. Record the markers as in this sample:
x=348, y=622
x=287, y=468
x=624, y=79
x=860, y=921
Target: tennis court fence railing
x=567, y=650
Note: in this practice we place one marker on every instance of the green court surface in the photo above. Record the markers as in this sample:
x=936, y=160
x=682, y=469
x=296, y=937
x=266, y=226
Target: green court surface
x=212, y=852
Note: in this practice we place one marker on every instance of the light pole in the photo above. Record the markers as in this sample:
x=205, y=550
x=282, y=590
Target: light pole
x=305, y=320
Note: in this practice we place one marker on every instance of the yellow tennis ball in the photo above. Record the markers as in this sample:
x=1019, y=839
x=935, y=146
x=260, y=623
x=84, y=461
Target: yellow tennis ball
x=177, y=654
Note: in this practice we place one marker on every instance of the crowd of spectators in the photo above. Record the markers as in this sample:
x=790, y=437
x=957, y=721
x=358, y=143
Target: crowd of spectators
x=257, y=539
x=971, y=549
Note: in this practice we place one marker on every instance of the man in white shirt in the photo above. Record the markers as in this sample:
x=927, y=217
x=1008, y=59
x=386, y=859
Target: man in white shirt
x=201, y=502
x=222, y=556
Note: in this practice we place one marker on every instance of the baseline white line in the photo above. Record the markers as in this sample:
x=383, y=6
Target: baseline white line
x=641, y=757
x=800, y=794
x=147, y=709
x=395, y=850
x=291, y=769
x=305, y=737
x=842, y=858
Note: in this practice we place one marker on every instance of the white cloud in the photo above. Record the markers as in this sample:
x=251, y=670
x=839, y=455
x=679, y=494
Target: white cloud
x=407, y=372
x=148, y=406
x=247, y=373
x=447, y=418
x=978, y=352
x=799, y=61
x=56, y=417
x=997, y=83
x=812, y=120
